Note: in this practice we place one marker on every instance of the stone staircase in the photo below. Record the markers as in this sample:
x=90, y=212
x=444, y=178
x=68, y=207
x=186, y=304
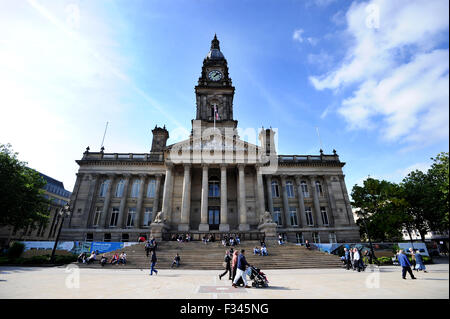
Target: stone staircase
x=198, y=256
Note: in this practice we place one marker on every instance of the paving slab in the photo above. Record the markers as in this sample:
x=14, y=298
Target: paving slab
x=72, y=282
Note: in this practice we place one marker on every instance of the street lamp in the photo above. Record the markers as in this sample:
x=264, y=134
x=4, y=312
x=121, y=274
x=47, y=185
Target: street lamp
x=63, y=212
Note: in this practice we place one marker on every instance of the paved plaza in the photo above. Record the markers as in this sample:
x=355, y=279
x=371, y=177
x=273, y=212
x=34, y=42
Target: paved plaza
x=62, y=282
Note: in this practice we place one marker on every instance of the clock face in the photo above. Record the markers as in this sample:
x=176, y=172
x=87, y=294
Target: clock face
x=215, y=75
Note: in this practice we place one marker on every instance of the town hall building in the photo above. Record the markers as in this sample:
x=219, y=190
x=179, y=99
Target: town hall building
x=212, y=183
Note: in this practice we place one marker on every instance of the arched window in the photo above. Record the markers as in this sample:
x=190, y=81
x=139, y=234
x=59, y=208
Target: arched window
x=135, y=188
x=214, y=187
x=119, y=188
x=151, y=188
x=104, y=188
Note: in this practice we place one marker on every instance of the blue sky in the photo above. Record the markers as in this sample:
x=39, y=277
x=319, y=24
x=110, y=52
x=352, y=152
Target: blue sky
x=371, y=75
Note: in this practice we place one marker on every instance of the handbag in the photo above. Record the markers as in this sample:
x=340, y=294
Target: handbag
x=224, y=264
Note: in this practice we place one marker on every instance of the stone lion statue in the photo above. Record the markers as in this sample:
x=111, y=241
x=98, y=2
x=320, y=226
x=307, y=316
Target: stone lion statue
x=266, y=218
x=159, y=218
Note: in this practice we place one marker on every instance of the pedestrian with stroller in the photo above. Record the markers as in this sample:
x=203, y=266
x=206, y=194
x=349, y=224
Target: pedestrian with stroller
x=240, y=272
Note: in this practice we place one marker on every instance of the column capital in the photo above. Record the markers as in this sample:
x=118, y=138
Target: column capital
x=283, y=177
x=126, y=175
x=111, y=175
x=205, y=167
x=187, y=165
x=223, y=166
x=143, y=175
x=298, y=179
x=312, y=177
x=241, y=166
x=158, y=176
x=168, y=164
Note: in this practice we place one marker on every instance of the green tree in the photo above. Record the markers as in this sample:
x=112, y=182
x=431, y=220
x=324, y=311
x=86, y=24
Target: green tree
x=22, y=203
x=380, y=209
x=426, y=195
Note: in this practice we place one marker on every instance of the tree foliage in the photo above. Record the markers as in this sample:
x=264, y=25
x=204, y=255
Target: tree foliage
x=21, y=196
x=420, y=202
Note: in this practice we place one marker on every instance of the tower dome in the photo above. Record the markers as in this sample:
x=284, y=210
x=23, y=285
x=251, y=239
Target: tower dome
x=214, y=53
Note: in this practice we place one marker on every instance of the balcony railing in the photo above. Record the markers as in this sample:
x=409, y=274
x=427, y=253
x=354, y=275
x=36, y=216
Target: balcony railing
x=145, y=157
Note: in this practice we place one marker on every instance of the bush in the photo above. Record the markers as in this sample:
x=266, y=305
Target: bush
x=384, y=260
x=15, y=250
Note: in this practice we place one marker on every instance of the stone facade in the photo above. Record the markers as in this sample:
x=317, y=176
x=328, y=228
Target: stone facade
x=213, y=182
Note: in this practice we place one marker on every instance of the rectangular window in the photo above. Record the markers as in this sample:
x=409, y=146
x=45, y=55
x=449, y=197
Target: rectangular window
x=151, y=189
x=323, y=212
x=332, y=238
x=316, y=238
x=319, y=189
x=275, y=190
x=277, y=215
x=293, y=216
x=97, y=215
x=131, y=217
x=89, y=237
x=290, y=189
x=304, y=187
x=148, y=215
x=299, y=238
x=309, y=217
x=114, y=217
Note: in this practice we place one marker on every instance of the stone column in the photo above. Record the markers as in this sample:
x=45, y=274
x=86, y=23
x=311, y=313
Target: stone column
x=140, y=200
x=224, y=226
x=157, y=192
x=104, y=220
x=318, y=217
x=301, y=202
x=348, y=207
x=260, y=191
x=93, y=185
x=331, y=201
x=204, y=226
x=123, y=202
x=269, y=193
x=243, y=226
x=186, y=199
x=167, y=193
x=285, y=201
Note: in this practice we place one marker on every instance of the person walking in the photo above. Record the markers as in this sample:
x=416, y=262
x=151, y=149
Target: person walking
x=147, y=247
x=347, y=258
x=413, y=258
x=234, y=263
x=356, y=259
x=419, y=262
x=153, y=263
x=227, y=261
x=240, y=272
x=406, y=265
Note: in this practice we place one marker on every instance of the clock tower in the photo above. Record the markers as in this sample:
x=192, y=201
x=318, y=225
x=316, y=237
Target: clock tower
x=215, y=92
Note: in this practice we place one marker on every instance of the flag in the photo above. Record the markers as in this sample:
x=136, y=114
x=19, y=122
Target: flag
x=216, y=114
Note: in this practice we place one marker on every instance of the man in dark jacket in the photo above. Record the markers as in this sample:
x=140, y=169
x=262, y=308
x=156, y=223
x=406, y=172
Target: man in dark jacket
x=240, y=272
x=406, y=265
x=227, y=261
x=153, y=260
x=347, y=258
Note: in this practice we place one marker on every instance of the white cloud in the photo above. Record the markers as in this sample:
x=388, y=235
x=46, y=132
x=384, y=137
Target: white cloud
x=399, y=70
x=298, y=36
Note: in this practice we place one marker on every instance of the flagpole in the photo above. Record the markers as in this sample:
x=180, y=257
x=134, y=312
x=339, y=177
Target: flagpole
x=215, y=117
x=104, y=134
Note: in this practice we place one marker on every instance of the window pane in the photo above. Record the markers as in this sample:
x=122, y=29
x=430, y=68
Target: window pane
x=151, y=189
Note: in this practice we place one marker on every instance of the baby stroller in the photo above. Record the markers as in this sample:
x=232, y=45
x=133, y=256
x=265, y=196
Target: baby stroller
x=258, y=277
